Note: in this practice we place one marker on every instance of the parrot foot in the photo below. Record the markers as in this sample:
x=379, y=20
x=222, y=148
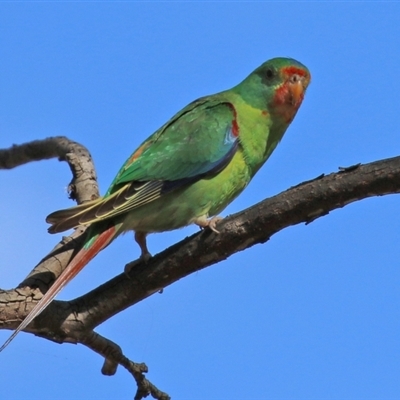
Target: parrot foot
x=203, y=222
x=144, y=258
x=140, y=238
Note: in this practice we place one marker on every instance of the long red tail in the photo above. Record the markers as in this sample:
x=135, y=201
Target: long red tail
x=72, y=269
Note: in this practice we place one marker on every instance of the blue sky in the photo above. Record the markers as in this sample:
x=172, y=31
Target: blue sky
x=312, y=314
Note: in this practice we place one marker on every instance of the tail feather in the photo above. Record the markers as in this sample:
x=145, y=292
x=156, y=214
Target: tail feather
x=128, y=197
x=62, y=220
x=72, y=269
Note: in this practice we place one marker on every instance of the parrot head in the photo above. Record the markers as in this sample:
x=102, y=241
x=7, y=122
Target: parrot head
x=277, y=86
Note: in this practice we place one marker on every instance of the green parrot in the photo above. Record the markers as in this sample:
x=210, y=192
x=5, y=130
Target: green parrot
x=188, y=170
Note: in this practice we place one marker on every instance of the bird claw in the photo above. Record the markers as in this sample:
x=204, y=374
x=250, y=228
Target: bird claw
x=203, y=223
x=144, y=258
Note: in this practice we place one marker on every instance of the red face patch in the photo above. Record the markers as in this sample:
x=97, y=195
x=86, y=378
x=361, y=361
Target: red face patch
x=288, y=71
x=285, y=103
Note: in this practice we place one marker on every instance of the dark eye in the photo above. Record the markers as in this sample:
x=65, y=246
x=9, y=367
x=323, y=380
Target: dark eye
x=269, y=73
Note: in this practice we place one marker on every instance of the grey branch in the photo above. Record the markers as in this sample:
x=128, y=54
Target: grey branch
x=74, y=321
x=83, y=186
x=113, y=356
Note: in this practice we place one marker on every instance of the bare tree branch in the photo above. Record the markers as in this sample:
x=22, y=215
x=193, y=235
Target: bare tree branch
x=74, y=321
x=113, y=357
x=83, y=186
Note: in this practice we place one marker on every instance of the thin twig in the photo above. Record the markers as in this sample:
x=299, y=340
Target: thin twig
x=113, y=356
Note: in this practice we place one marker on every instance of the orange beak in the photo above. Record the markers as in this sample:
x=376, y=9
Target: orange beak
x=297, y=86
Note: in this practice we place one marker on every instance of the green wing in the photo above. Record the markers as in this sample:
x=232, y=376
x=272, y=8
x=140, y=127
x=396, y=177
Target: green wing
x=190, y=144
x=200, y=140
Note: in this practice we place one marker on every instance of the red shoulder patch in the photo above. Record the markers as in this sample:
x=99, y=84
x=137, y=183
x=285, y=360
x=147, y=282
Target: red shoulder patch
x=138, y=153
x=235, y=126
